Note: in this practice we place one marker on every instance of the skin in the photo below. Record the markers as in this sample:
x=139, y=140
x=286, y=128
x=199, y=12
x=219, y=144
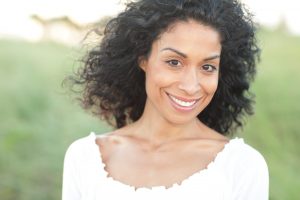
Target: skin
x=168, y=143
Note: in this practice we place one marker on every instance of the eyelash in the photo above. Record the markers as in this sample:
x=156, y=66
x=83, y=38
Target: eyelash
x=169, y=62
x=213, y=68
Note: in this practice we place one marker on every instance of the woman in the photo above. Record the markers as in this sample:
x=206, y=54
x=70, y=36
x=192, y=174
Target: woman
x=172, y=77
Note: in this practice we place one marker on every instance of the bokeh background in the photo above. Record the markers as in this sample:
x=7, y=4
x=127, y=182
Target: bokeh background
x=41, y=42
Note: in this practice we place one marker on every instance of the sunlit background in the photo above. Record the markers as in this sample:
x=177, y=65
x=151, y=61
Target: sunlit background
x=41, y=42
x=16, y=17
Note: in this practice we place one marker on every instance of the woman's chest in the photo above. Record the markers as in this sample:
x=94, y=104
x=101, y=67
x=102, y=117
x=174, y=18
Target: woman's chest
x=147, y=169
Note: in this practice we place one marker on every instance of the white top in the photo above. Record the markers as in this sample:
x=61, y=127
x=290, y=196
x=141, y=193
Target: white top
x=238, y=172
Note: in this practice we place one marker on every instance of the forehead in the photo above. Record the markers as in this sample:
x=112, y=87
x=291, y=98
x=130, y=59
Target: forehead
x=190, y=35
x=191, y=26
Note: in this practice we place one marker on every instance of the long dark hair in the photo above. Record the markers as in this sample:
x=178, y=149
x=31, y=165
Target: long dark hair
x=114, y=85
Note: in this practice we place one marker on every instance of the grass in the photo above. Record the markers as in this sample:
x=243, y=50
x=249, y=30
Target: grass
x=275, y=129
x=38, y=120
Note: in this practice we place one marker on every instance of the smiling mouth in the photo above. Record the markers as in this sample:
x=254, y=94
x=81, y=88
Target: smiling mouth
x=183, y=103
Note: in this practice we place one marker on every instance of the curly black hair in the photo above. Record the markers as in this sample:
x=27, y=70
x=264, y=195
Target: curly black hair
x=114, y=85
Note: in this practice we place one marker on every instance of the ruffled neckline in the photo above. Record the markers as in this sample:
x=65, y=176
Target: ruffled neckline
x=199, y=173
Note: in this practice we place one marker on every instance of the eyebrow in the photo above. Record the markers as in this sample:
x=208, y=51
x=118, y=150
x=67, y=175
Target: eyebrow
x=185, y=56
x=176, y=51
x=212, y=57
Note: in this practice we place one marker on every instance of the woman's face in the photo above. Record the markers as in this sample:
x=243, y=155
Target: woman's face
x=182, y=71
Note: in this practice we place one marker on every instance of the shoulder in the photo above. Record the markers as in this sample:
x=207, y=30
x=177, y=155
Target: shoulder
x=81, y=142
x=243, y=160
x=247, y=169
x=250, y=157
x=81, y=147
x=245, y=155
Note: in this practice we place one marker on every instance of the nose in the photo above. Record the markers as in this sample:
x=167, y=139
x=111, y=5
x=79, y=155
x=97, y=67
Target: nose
x=190, y=82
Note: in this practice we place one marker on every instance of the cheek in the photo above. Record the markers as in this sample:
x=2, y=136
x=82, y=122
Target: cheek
x=210, y=85
x=156, y=76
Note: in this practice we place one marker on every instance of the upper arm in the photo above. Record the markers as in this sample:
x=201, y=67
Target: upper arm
x=71, y=182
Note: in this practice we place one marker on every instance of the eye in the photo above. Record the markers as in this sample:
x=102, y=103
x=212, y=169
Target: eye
x=173, y=63
x=209, y=68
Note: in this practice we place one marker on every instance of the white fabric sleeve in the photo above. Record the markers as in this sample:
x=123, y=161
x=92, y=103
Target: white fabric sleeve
x=252, y=177
x=71, y=180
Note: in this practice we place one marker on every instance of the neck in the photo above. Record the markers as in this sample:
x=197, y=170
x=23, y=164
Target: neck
x=157, y=130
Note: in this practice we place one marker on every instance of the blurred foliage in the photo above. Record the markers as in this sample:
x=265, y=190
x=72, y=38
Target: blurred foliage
x=39, y=119
x=275, y=128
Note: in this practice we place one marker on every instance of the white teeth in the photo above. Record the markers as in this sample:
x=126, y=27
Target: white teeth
x=183, y=103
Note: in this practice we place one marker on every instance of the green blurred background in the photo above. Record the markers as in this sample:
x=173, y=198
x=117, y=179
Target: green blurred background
x=39, y=119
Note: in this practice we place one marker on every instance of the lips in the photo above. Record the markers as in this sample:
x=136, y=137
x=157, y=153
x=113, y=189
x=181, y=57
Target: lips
x=183, y=103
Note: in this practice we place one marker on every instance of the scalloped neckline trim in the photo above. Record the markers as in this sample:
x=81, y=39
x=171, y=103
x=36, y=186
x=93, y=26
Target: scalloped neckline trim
x=174, y=185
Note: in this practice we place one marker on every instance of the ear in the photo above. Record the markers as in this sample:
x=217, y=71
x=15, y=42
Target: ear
x=143, y=62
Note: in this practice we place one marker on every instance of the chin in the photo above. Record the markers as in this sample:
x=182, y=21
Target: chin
x=180, y=120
